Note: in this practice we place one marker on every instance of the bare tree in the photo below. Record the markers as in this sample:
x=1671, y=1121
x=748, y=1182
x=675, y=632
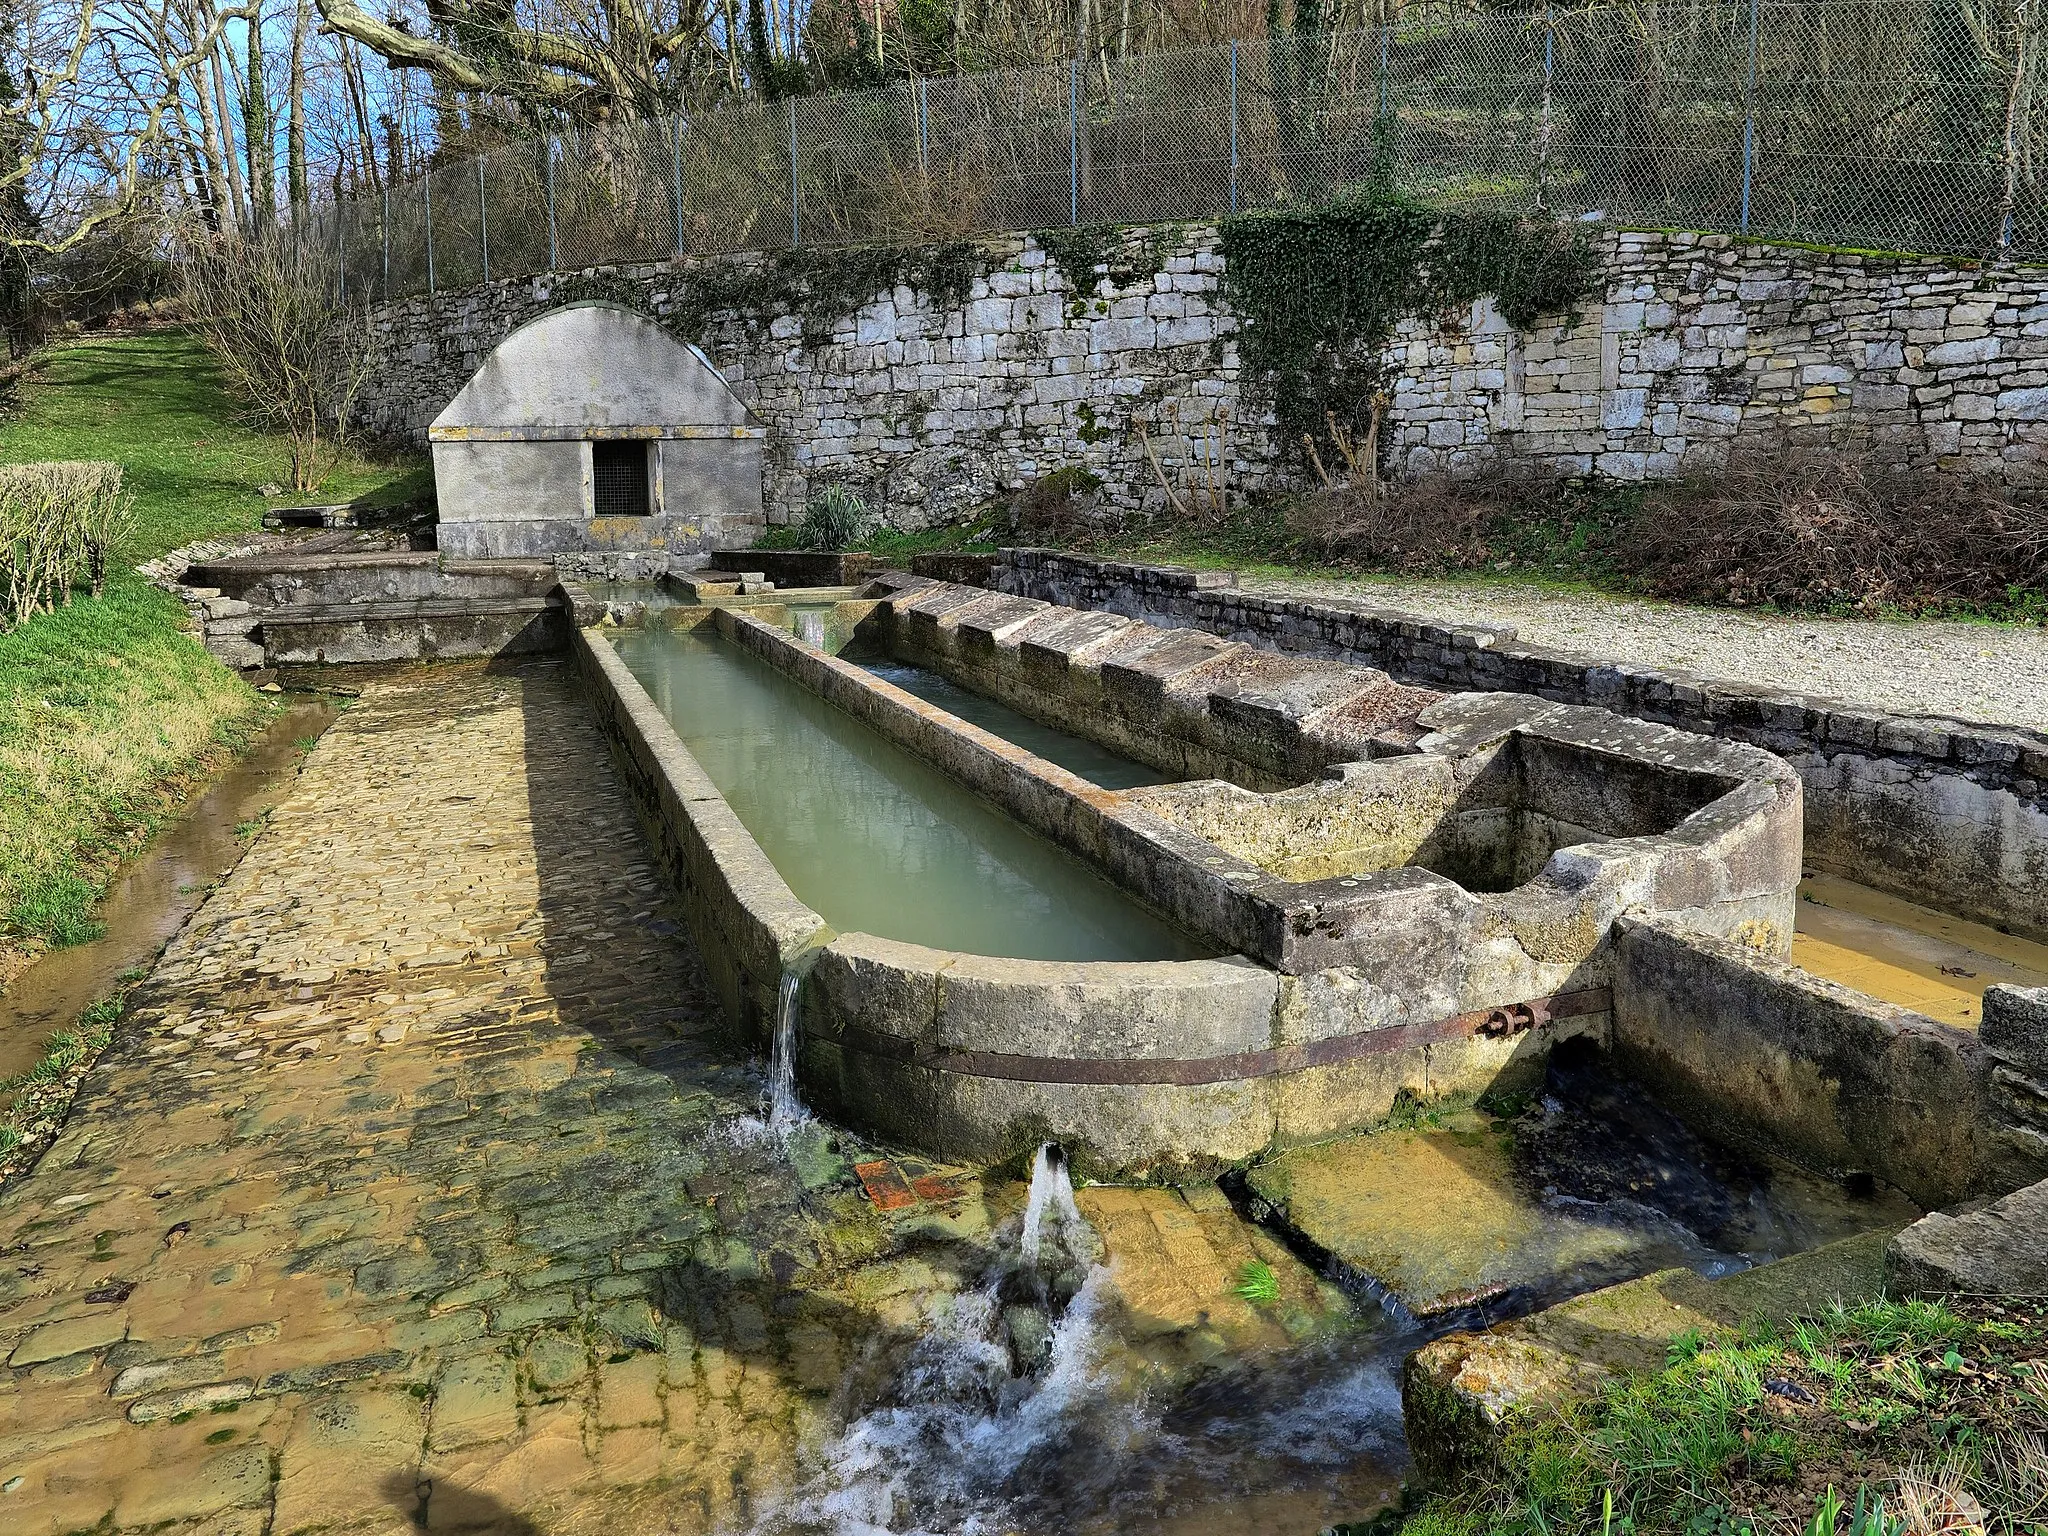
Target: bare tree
x=294, y=351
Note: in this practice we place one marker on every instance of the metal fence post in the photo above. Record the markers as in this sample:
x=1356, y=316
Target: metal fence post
x=2008, y=198
x=924, y=127
x=676, y=149
x=547, y=144
x=483, y=219
x=387, y=240
x=1074, y=141
x=796, y=226
x=1233, y=125
x=1543, y=135
x=427, y=200
x=1749, y=121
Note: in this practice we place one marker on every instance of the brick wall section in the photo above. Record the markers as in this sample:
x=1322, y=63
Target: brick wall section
x=1939, y=811
x=931, y=409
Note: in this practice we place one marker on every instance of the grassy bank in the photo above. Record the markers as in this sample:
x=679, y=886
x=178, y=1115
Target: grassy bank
x=108, y=711
x=1937, y=1413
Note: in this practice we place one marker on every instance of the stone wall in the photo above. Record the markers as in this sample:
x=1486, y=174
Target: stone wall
x=1939, y=811
x=932, y=407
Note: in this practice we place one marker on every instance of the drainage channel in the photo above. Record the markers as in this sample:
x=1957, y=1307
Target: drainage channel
x=156, y=891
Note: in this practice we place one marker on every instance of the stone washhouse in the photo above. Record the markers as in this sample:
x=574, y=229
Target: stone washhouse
x=591, y=428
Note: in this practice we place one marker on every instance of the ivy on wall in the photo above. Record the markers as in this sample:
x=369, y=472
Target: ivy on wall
x=819, y=285
x=1125, y=254
x=1318, y=291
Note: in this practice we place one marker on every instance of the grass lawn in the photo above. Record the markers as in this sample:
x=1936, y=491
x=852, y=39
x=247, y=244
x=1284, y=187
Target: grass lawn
x=108, y=710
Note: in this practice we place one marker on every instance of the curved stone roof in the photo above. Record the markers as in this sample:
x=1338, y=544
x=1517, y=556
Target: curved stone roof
x=588, y=370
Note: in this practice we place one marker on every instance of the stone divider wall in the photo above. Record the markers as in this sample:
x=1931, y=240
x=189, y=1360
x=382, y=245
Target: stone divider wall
x=1943, y=812
x=932, y=405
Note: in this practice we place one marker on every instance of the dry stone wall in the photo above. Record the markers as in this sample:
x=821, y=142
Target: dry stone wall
x=932, y=405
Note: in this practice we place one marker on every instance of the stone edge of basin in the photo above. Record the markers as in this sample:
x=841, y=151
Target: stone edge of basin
x=897, y=1039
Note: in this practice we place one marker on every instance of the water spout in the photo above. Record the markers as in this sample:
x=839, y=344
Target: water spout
x=810, y=628
x=1051, y=1192
x=785, y=1109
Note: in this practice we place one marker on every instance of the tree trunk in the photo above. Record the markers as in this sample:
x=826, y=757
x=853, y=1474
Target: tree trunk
x=219, y=143
x=256, y=132
x=359, y=106
x=295, y=134
x=229, y=167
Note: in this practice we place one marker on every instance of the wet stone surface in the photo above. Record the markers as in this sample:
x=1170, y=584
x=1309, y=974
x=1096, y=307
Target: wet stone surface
x=421, y=1176
x=1470, y=1217
x=421, y=1190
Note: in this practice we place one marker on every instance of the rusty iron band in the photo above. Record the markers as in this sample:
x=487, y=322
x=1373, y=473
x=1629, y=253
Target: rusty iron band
x=1127, y=1072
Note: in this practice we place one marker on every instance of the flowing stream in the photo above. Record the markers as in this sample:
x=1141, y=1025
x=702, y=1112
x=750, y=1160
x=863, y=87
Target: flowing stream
x=154, y=893
x=1030, y=1403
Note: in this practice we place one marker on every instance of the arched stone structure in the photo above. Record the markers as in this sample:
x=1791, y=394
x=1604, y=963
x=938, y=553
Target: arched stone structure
x=593, y=428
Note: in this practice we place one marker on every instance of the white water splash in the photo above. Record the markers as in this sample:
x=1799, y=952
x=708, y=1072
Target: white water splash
x=959, y=1424
x=810, y=628
x=1052, y=1193
x=785, y=1108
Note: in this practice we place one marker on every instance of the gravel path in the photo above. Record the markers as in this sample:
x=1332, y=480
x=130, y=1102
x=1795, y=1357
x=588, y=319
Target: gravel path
x=1992, y=673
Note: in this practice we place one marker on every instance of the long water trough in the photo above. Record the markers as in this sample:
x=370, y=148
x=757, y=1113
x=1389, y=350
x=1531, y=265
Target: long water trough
x=1348, y=889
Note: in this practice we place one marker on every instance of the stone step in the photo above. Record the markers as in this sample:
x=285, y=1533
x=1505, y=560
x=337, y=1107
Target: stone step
x=415, y=630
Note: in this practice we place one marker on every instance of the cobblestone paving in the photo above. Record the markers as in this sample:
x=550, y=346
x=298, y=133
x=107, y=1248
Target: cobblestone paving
x=409, y=1194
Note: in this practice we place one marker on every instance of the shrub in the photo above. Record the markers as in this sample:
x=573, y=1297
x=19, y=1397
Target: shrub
x=1057, y=508
x=292, y=349
x=58, y=523
x=834, y=518
x=1832, y=531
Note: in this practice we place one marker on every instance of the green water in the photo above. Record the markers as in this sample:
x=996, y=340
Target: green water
x=873, y=838
x=1097, y=764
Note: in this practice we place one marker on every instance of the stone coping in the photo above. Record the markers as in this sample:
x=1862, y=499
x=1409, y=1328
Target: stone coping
x=1490, y=656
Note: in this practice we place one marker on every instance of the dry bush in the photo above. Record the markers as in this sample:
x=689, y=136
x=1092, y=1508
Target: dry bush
x=1832, y=531
x=293, y=350
x=1058, y=509
x=940, y=201
x=1431, y=524
x=58, y=522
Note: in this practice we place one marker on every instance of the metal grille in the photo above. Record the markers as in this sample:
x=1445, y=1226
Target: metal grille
x=1893, y=124
x=619, y=478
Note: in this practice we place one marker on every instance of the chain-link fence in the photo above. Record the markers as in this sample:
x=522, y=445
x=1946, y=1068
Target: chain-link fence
x=1893, y=124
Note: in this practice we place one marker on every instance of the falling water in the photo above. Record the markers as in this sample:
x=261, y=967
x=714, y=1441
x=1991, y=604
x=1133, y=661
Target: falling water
x=810, y=627
x=1051, y=1191
x=785, y=1110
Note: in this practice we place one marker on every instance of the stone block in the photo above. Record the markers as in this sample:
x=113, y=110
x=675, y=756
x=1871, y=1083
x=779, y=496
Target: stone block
x=476, y=1400
x=349, y=1450
x=2000, y=1250
x=95, y=1330
x=2015, y=1028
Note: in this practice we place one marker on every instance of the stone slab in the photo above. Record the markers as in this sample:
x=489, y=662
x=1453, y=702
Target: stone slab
x=1998, y=1250
x=1437, y=1218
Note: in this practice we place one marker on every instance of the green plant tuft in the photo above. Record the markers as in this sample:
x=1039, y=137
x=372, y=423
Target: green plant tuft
x=58, y=910
x=834, y=518
x=1257, y=1284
